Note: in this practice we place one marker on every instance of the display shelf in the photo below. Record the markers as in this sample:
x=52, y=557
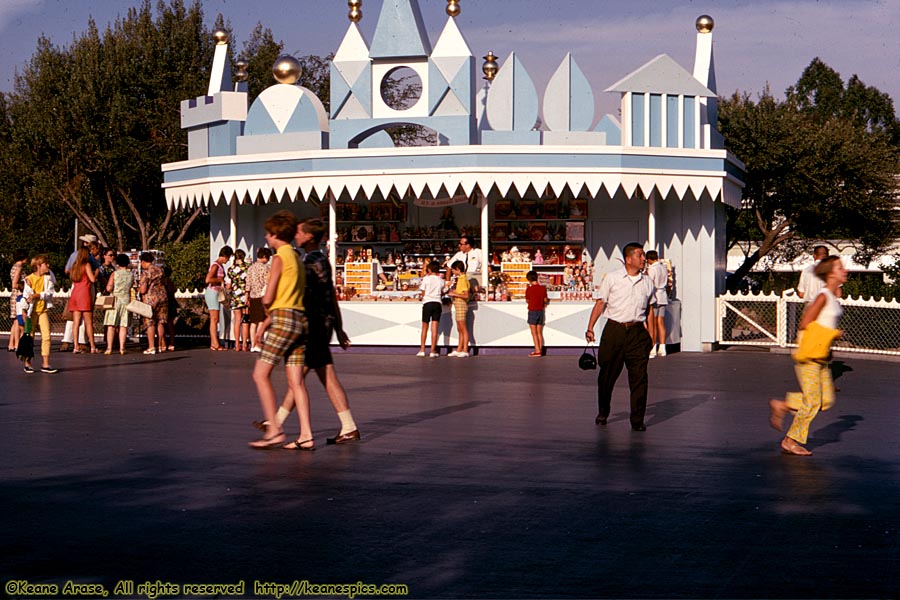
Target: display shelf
x=517, y=282
x=361, y=276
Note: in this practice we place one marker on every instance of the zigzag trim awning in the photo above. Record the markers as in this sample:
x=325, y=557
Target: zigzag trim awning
x=434, y=172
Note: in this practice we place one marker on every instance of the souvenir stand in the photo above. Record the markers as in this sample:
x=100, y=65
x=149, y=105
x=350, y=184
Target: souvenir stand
x=561, y=198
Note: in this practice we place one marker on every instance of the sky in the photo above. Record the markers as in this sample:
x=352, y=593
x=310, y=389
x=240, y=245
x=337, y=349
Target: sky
x=756, y=42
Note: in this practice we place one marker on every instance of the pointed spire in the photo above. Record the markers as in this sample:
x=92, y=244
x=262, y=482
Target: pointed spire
x=400, y=31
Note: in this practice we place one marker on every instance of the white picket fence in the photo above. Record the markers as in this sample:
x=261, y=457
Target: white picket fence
x=870, y=326
x=186, y=298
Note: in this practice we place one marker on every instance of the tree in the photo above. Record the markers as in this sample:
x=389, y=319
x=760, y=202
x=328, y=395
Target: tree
x=823, y=163
x=94, y=139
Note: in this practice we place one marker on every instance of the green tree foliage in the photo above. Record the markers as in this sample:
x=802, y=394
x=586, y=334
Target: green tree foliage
x=89, y=144
x=189, y=262
x=821, y=164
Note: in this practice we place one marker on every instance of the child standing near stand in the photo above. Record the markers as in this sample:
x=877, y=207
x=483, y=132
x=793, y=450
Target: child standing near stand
x=25, y=345
x=432, y=285
x=537, y=300
x=43, y=284
x=460, y=294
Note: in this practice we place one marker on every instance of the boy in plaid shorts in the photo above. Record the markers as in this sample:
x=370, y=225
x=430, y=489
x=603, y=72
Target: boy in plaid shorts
x=287, y=328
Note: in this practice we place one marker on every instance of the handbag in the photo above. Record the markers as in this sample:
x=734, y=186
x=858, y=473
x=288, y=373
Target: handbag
x=814, y=343
x=588, y=360
x=140, y=308
x=221, y=296
x=106, y=302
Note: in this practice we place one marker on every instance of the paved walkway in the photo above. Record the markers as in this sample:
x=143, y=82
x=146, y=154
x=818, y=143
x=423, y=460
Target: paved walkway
x=480, y=478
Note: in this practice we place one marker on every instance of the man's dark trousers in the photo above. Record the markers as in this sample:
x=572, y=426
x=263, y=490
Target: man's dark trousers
x=629, y=346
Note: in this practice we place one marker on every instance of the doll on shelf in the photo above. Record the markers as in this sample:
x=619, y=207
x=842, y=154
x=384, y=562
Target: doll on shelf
x=569, y=256
x=349, y=257
x=394, y=233
x=553, y=259
x=448, y=221
x=538, y=257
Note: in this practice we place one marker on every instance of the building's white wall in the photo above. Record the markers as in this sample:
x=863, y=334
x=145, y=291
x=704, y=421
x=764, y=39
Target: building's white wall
x=692, y=236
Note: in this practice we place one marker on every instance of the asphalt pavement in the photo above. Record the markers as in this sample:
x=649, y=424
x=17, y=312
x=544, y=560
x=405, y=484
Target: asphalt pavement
x=474, y=478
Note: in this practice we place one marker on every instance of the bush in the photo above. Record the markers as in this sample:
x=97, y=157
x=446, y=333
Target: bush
x=189, y=262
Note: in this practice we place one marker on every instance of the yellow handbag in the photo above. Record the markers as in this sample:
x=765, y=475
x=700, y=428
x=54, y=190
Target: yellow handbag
x=814, y=342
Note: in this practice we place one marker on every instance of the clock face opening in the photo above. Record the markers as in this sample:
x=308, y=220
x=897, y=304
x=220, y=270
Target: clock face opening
x=401, y=88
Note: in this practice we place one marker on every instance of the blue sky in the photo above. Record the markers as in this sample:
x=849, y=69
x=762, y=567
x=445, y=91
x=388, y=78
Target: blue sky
x=756, y=41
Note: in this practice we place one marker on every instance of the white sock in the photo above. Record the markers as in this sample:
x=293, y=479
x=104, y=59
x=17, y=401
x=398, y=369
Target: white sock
x=282, y=415
x=347, y=422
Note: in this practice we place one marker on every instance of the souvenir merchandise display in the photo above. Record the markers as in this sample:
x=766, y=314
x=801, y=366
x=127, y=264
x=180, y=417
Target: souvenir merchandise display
x=547, y=235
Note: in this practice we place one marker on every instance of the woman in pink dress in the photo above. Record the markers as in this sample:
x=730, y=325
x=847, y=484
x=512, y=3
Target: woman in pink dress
x=81, y=304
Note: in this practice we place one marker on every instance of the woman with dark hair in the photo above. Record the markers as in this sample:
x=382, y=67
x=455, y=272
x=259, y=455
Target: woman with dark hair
x=240, y=304
x=215, y=294
x=81, y=304
x=153, y=293
x=119, y=285
x=814, y=374
x=16, y=274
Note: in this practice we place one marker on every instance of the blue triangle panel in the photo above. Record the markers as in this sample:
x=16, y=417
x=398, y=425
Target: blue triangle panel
x=400, y=31
x=339, y=90
x=462, y=84
x=304, y=118
x=259, y=122
x=362, y=89
x=437, y=86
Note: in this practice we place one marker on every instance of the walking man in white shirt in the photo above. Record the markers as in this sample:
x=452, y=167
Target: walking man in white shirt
x=623, y=298
x=809, y=284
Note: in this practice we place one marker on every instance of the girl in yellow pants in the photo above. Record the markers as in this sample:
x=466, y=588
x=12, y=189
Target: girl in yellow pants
x=814, y=376
x=41, y=282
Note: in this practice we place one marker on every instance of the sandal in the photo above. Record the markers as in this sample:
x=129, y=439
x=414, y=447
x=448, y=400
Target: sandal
x=268, y=443
x=218, y=349
x=298, y=445
x=150, y=351
x=789, y=446
x=108, y=352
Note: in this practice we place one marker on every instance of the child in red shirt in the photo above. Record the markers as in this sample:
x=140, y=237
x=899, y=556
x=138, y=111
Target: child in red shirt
x=536, y=297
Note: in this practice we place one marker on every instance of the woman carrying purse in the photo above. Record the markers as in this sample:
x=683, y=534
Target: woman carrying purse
x=818, y=328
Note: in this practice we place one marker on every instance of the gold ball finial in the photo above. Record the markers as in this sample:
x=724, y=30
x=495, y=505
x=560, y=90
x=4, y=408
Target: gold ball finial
x=355, y=14
x=705, y=24
x=240, y=70
x=287, y=70
x=490, y=68
x=221, y=36
x=453, y=8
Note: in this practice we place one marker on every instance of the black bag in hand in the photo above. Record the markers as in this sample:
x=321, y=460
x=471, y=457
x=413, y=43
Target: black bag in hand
x=25, y=349
x=588, y=360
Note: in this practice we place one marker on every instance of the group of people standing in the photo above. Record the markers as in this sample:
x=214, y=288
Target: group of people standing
x=92, y=270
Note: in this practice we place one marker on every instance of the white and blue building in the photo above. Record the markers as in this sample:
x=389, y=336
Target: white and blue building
x=660, y=176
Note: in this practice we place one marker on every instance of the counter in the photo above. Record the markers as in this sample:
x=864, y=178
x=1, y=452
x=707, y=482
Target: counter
x=491, y=324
